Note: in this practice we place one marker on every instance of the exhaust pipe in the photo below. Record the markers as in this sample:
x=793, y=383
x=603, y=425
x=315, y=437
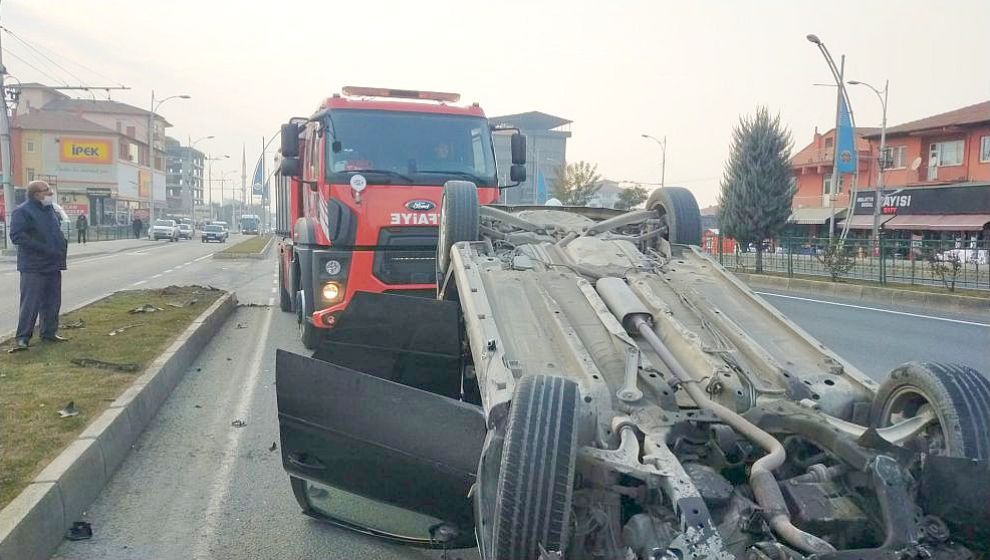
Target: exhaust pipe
x=636, y=319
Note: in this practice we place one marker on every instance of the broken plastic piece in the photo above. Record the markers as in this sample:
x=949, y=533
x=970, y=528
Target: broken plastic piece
x=80, y=531
x=69, y=411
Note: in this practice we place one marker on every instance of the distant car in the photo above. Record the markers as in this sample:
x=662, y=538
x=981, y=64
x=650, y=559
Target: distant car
x=972, y=256
x=223, y=225
x=213, y=232
x=185, y=231
x=164, y=229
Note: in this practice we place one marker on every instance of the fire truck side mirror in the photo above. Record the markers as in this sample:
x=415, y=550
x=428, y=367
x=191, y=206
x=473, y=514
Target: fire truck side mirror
x=290, y=140
x=518, y=145
x=517, y=173
x=289, y=167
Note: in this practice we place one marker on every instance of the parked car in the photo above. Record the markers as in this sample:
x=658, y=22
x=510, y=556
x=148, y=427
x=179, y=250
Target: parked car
x=164, y=229
x=185, y=231
x=972, y=256
x=223, y=225
x=213, y=232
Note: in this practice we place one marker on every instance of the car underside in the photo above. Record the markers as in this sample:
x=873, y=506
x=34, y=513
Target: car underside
x=589, y=385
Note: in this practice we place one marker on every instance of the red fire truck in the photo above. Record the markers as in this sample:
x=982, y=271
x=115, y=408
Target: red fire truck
x=359, y=195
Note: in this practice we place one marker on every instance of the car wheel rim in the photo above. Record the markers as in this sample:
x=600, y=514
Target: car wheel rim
x=908, y=402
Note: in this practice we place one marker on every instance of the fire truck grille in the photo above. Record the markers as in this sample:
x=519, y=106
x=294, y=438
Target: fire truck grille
x=406, y=255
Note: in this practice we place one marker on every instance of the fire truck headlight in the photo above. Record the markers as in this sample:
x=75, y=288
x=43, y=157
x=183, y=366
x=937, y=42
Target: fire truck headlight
x=332, y=292
x=333, y=267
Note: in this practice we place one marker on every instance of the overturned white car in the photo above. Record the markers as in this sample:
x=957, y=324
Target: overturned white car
x=589, y=385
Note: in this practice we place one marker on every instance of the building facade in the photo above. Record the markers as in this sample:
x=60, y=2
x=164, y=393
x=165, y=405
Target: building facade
x=546, y=153
x=94, y=152
x=936, y=178
x=184, y=178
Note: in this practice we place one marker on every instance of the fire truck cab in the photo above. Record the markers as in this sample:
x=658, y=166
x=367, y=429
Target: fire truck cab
x=359, y=194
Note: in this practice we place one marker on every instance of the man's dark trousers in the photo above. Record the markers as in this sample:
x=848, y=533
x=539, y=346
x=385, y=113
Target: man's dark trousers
x=41, y=295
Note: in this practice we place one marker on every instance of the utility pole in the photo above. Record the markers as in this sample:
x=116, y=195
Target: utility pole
x=663, y=155
x=8, y=165
x=243, y=182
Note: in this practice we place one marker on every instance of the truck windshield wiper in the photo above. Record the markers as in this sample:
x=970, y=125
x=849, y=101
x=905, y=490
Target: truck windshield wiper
x=387, y=172
x=464, y=174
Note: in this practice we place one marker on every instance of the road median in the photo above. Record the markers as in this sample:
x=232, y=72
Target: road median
x=873, y=294
x=111, y=403
x=256, y=247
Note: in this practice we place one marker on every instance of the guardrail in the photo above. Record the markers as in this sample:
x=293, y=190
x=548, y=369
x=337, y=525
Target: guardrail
x=966, y=263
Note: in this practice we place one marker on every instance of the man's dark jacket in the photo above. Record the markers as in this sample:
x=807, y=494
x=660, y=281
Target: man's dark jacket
x=35, y=229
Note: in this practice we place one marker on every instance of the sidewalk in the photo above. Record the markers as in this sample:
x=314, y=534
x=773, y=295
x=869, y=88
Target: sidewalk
x=78, y=250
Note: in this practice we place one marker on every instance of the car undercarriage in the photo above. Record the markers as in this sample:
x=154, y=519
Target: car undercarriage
x=589, y=385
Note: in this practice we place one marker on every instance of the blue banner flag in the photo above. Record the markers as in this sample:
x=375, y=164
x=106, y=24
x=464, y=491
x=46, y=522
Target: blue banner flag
x=845, y=144
x=258, y=180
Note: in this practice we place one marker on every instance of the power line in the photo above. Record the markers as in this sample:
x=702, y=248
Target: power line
x=29, y=65
x=75, y=62
x=43, y=55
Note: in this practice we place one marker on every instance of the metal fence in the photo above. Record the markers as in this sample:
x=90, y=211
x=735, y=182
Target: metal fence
x=93, y=233
x=894, y=261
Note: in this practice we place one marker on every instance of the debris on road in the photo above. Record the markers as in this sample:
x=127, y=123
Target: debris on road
x=100, y=364
x=238, y=423
x=241, y=326
x=197, y=406
x=193, y=301
x=69, y=411
x=273, y=447
x=74, y=325
x=80, y=531
x=119, y=330
x=146, y=308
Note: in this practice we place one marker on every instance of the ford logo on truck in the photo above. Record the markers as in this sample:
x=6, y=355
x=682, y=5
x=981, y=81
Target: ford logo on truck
x=420, y=205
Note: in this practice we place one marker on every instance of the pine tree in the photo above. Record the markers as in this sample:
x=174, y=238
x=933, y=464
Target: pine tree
x=577, y=183
x=758, y=184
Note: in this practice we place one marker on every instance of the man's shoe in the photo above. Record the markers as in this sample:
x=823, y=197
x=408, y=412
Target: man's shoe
x=54, y=338
x=20, y=346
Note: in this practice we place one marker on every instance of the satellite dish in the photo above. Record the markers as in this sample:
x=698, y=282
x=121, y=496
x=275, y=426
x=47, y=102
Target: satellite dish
x=916, y=163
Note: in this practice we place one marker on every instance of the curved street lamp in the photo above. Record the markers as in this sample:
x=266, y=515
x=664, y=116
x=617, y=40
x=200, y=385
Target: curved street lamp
x=151, y=148
x=882, y=96
x=663, y=154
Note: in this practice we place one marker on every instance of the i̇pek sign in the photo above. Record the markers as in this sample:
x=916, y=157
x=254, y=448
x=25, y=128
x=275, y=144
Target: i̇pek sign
x=85, y=150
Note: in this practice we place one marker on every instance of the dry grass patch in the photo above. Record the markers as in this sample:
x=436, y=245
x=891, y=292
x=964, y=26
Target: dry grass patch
x=252, y=245
x=36, y=384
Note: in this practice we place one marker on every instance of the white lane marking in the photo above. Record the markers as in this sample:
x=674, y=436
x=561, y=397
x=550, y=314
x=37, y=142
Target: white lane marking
x=274, y=290
x=203, y=257
x=187, y=263
x=271, y=301
x=179, y=267
x=139, y=282
x=157, y=276
x=169, y=270
x=891, y=311
x=220, y=487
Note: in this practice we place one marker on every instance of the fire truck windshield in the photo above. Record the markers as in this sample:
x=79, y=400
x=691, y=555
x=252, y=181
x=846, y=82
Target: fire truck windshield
x=414, y=148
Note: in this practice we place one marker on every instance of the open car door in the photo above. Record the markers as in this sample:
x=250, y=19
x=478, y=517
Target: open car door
x=384, y=437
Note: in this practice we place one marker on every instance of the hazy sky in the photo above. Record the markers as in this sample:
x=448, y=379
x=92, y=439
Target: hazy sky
x=683, y=69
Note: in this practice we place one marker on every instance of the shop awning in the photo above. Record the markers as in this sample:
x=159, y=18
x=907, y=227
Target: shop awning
x=812, y=216
x=939, y=222
x=864, y=221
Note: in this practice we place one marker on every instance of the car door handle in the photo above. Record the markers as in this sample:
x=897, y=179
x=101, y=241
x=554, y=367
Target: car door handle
x=304, y=461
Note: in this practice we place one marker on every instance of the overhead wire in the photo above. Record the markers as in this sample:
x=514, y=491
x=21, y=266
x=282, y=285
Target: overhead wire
x=32, y=66
x=50, y=60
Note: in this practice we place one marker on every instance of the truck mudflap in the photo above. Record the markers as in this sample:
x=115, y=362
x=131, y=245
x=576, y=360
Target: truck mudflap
x=378, y=439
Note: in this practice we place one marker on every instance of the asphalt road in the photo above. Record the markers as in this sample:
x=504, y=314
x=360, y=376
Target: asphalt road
x=198, y=487
x=878, y=338
x=145, y=266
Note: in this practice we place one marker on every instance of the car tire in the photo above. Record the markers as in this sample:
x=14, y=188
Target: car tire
x=679, y=209
x=459, y=220
x=308, y=334
x=536, y=473
x=958, y=395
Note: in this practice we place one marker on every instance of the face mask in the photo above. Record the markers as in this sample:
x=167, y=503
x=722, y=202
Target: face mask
x=48, y=200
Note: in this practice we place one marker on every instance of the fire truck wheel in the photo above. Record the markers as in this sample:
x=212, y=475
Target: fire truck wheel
x=678, y=209
x=309, y=334
x=458, y=220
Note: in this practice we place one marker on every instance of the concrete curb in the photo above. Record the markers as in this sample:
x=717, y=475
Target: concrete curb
x=10, y=256
x=873, y=294
x=33, y=525
x=259, y=255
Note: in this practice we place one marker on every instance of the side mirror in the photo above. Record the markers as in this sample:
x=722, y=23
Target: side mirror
x=517, y=173
x=518, y=145
x=289, y=167
x=290, y=141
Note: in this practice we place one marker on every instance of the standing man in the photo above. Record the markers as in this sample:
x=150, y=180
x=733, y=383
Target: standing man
x=136, y=226
x=82, y=224
x=41, y=249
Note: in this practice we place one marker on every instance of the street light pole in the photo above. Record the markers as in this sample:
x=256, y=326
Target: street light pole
x=837, y=74
x=878, y=195
x=187, y=191
x=663, y=155
x=209, y=190
x=151, y=152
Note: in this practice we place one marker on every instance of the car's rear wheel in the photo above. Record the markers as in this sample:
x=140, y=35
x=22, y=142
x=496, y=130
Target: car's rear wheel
x=534, y=488
x=459, y=220
x=678, y=210
x=957, y=397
